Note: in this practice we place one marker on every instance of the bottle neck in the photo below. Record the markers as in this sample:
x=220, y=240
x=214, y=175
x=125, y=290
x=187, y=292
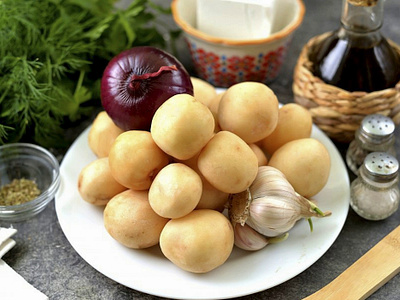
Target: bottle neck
x=362, y=19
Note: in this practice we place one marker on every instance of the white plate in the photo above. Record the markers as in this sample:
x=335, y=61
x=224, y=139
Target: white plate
x=244, y=273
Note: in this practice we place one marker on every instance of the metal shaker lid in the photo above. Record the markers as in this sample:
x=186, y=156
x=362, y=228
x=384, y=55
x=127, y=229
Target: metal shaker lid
x=381, y=164
x=377, y=126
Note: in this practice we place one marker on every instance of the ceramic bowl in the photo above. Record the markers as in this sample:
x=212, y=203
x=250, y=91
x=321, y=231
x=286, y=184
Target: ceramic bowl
x=28, y=161
x=224, y=62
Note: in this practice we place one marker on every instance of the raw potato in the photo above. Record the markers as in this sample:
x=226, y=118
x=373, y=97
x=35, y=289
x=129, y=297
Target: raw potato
x=250, y=110
x=130, y=220
x=214, y=106
x=96, y=185
x=203, y=91
x=305, y=163
x=228, y=163
x=175, y=191
x=102, y=134
x=294, y=122
x=182, y=126
x=261, y=157
x=199, y=242
x=135, y=159
x=211, y=197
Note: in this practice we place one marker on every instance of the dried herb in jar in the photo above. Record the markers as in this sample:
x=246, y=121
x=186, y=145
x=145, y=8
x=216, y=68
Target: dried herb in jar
x=18, y=191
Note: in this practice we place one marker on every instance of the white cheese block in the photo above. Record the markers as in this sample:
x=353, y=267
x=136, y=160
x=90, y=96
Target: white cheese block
x=236, y=19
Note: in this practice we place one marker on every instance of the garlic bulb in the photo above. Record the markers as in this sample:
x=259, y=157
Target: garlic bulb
x=271, y=206
x=247, y=238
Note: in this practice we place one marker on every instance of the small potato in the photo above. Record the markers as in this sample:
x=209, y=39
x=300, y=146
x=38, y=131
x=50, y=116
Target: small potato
x=96, y=185
x=214, y=106
x=199, y=242
x=261, y=157
x=250, y=110
x=211, y=197
x=175, y=191
x=130, y=220
x=203, y=91
x=294, y=122
x=135, y=159
x=182, y=126
x=305, y=163
x=102, y=134
x=228, y=163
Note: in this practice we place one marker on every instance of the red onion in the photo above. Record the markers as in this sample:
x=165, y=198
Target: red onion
x=137, y=81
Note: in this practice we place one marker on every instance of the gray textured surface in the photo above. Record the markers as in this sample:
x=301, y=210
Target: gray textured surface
x=44, y=257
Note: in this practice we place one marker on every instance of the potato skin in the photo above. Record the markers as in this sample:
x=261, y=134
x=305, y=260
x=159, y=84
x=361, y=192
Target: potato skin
x=203, y=91
x=228, y=163
x=305, y=163
x=102, y=134
x=211, y=197
x=182, y=126
x=199, y=242
x=294, y=122
x=130, y=220
x=135, y=159
x=175, y=191
x=262, y=158
x=96, y=184
x=250, y=110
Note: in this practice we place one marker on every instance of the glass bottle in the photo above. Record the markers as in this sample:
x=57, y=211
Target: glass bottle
x=356, y=57
x=375, y=134
x=374, y=195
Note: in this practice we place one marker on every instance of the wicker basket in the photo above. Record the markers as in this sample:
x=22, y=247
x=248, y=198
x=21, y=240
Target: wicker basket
x=336, y=111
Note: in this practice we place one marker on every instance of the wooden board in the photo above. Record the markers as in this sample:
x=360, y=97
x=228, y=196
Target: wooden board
x=367, y=274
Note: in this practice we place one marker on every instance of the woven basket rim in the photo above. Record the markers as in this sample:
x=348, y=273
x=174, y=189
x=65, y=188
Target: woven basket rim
x=307, y=49
x=336, y=111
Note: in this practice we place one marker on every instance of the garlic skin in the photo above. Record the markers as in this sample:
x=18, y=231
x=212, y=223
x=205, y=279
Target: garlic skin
x=271, y=206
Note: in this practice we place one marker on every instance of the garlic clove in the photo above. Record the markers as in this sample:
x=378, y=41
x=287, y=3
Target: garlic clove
x=247, y=238
x=271, y=216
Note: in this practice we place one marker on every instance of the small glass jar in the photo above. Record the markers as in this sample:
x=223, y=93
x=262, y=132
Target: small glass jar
x=375, y=134
x=32, y=162
x=374, y=195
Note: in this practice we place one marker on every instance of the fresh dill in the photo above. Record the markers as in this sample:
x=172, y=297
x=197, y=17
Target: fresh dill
x=52, y=55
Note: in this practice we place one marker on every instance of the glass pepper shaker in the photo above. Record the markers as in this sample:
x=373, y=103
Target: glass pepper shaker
x=374, y=195
x=375, y=134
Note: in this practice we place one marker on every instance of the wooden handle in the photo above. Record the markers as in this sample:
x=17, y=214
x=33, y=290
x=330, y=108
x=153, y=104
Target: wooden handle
x=366, y=275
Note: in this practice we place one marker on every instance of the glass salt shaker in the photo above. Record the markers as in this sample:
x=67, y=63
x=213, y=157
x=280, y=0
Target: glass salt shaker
x=375, y=134
x=374, y=195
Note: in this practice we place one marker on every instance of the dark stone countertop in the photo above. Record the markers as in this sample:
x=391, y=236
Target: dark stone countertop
x=45, y=258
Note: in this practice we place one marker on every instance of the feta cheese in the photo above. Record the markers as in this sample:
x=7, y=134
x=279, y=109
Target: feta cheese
x=236, y=19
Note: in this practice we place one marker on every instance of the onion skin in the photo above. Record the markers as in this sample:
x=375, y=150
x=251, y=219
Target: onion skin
x=132, y=104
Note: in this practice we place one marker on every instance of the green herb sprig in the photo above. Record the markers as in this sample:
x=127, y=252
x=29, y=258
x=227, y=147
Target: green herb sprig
x=52, y=55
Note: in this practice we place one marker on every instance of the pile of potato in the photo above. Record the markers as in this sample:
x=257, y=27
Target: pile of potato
x=169, y=185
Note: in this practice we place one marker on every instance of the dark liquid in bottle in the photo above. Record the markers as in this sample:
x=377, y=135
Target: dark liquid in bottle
x=344, y=64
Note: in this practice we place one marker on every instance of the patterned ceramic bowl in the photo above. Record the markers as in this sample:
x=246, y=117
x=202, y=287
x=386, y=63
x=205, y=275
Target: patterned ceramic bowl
x=224, y=62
